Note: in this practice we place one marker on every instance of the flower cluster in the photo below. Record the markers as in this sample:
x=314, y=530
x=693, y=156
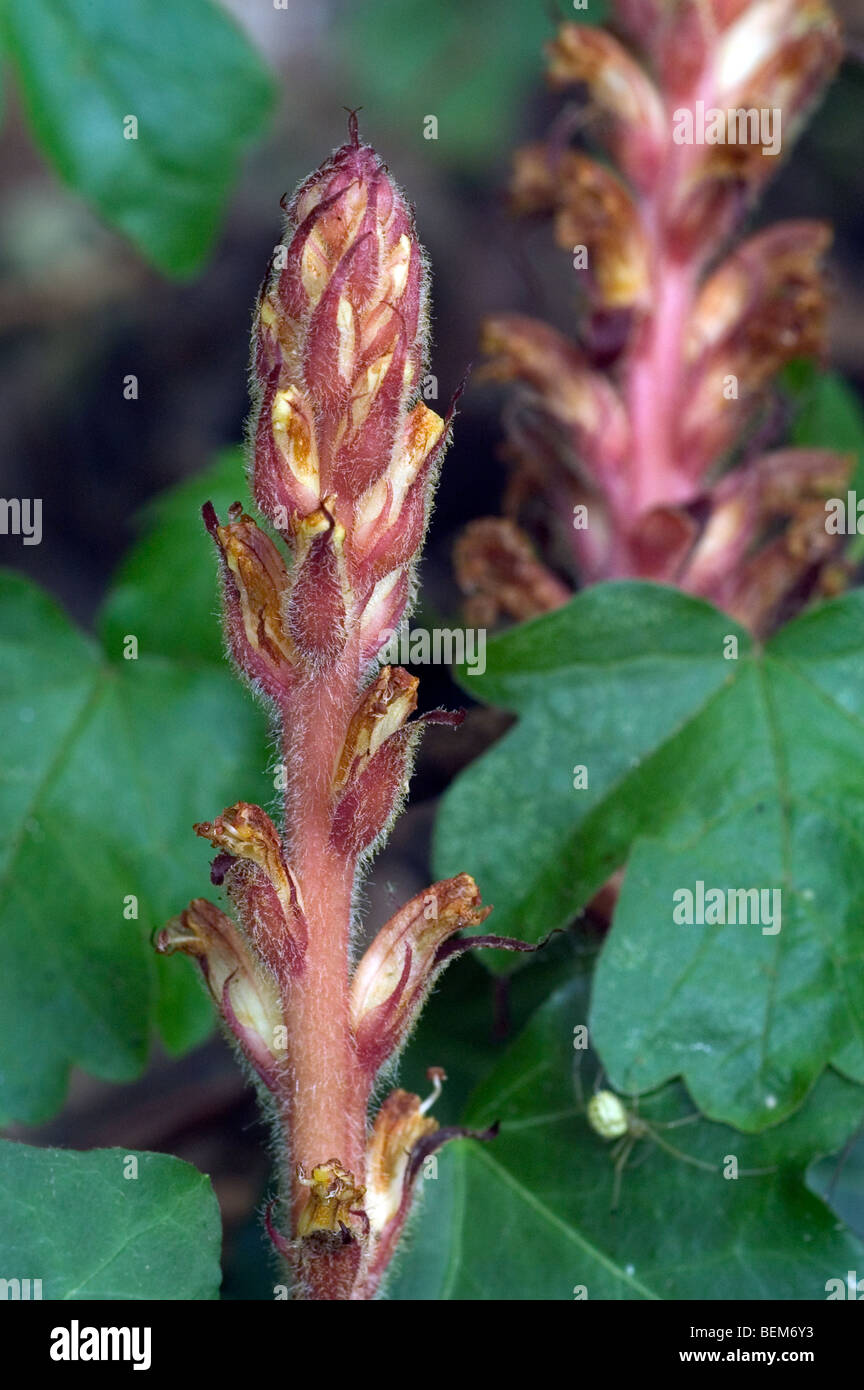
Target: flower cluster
x=649, y=437
x=345, y=458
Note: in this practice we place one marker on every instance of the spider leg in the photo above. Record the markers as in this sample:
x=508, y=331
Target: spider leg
x=620, y=1164
x=618, y=1146
x=676, y=1124
x=646, y=1153
x=577, y=1081
x=685, y=1158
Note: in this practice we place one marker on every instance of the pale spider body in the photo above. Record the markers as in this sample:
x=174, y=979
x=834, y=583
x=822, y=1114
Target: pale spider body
x=610, y=1118
x=607, y=1115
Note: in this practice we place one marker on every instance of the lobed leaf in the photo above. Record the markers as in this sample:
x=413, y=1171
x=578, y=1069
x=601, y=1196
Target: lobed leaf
x=188, y=76
x=109, y=764
x=739, y=773
x=157, y=1234
x=528, y=1215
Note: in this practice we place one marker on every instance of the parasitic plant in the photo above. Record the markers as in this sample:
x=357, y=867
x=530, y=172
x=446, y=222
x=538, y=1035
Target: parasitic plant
x=651, y=439
x=345, y=459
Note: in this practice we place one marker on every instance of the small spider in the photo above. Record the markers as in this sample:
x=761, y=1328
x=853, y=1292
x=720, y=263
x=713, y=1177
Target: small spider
x=609, y=1117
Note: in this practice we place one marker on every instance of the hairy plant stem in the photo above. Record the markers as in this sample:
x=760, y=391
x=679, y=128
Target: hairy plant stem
x=654, y=391
x=654, y=386
x=324, y=1104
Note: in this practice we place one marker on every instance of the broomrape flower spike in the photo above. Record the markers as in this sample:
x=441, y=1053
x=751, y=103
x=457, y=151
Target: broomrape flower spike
x=630, y=432
x=344, y=462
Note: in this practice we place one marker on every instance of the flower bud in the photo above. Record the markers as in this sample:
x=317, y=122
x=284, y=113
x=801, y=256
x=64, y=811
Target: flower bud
x=316, y=609
x=343, y=324
x=496, y=566
x=254, y=581
x=620, y=89
x=375, y=764
x=384, y=707
x=592, y=208
x=383, y=611
x=287, y=475
x=340, y=344
x=390, y=518
x=367, y=807
x=581, y=401
x=260, y=882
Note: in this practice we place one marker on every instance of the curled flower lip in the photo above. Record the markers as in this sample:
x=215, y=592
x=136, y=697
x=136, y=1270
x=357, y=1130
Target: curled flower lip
x=496, y=565
x=241, y=987
x=393, y=978
x=260, y=882
x=384, y=708
x=402, y=1138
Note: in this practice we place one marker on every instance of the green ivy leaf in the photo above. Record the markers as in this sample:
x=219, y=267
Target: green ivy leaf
x=186, y=73
x=111, y=763
x=528, y=1216
x=738, y=773
x=156, y=1235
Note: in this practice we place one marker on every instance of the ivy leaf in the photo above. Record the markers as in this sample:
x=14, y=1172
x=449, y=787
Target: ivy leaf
x=110, y=764
x=840, y=1181
x=157, y=1235
x=185, y=73
x=742, y=773
x=603, y=683
x=528, y=1216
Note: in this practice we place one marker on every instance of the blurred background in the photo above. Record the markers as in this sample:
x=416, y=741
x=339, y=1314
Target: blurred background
x=81, y=309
